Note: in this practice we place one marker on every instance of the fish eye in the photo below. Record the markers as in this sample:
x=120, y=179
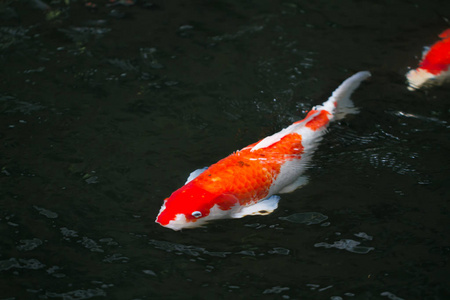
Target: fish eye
x=196, y=214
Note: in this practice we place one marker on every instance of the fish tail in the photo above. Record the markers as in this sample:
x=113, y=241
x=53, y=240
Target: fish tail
x=339, y=103
x=337, y=106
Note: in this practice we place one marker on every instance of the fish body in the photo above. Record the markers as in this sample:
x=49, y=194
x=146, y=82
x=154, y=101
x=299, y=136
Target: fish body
x=247, y=181
x=434, y=68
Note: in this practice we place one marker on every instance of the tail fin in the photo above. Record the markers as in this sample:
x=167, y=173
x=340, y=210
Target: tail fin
x=337, y=106
x=339, y=103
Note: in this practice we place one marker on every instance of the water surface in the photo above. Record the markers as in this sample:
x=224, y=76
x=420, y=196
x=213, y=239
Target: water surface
x=106, y=110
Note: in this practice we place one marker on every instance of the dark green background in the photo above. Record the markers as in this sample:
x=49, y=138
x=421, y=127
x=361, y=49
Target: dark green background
x=105, y=111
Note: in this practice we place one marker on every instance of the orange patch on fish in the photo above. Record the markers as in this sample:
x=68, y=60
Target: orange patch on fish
x=438, y=57
x=248, y=174
x=243, y=178
x=318, y=121
x=434, y=68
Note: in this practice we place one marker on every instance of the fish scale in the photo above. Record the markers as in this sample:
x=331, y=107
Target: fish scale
x=247, y=174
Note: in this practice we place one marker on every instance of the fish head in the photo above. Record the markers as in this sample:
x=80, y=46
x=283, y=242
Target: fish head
x=191, y=206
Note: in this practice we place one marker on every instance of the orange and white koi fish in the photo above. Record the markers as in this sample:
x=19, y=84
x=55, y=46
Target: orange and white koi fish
x=434, y=68
x=247, y=181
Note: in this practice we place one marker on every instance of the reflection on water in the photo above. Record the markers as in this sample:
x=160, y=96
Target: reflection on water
x=378, y=159
x=83, y=34
x=306, y=218
x=12, y=105
x=199, y=251
x=184, y=249
x=346, y=244
x=390, y=295
x=33, y=264
x=49, y=214
x=27, y=245
x=105, y=108
x=418, y=117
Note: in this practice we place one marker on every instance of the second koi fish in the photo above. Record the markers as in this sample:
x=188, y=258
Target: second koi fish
x=247, y=181
x=434, y=68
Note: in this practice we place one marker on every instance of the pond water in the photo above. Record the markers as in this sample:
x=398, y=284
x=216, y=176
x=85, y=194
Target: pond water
x=106, y=107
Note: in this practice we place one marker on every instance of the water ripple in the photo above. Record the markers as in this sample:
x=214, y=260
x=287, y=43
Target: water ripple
x=12, y=105
x=184, y=249
x=180, y=249
x=116, y=257
x=276, y=290
x=364, y=236
x=67, y=233
x=48, y=213
x=90, y=244
x=78, y=294
x=417, y=117
x=279, y=250
x=83, y=34
x=242, y=32
x=390, y=296
x=390, y=160
x=28, y=245
x=53, y=271
x=346, y=244
x=32, y=264
x=307, y=218
x=12, y=35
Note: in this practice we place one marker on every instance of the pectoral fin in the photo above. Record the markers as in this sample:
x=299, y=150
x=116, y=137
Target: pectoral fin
x=263, y=207
x=194, y=174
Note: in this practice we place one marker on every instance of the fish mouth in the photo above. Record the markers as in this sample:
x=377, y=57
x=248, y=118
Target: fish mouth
x=180, y=222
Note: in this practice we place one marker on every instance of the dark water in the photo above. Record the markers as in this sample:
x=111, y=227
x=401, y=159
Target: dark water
x=104, y=111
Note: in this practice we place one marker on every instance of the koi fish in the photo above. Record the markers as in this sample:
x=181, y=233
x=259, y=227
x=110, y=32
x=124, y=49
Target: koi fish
x=434, y=67
x=247, y=181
